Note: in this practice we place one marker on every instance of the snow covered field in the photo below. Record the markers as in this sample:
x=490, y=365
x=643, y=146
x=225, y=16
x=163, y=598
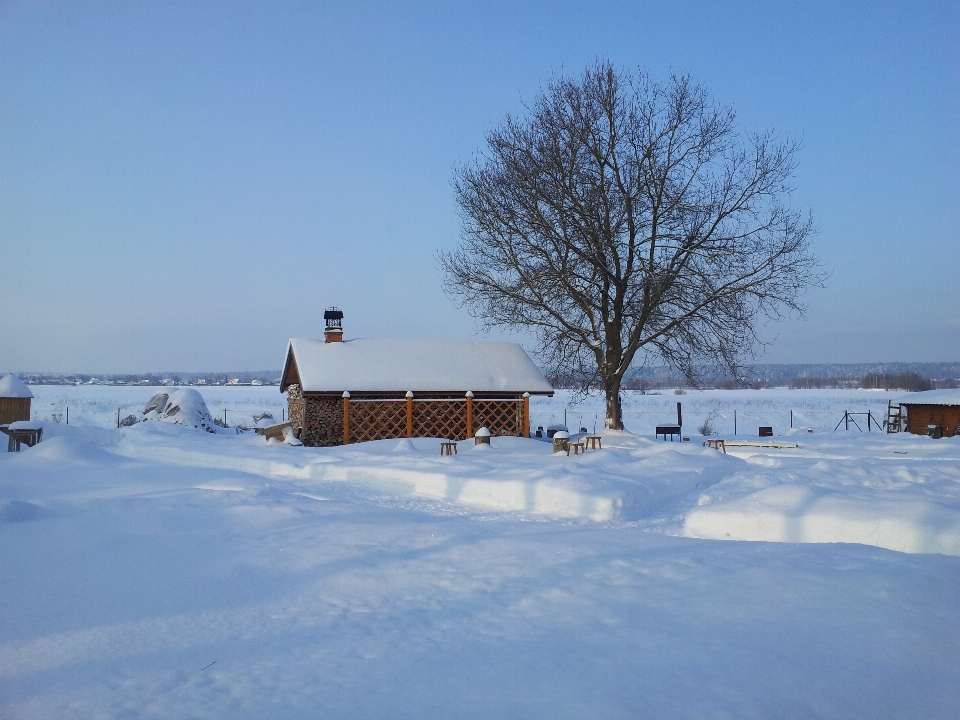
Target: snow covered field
x=160, y=571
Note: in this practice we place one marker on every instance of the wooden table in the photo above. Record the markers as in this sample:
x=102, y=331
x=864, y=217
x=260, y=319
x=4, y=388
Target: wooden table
x=593, y=441
x=576, y=447
x=25, y=436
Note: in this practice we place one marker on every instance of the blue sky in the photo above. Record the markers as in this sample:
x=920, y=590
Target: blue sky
x=184, y=186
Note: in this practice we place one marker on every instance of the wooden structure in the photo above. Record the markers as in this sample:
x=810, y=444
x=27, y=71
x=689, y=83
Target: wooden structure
x=937, y=408
x=670, y=430
x=341, y=392
x=15, y=399
x=17, y=436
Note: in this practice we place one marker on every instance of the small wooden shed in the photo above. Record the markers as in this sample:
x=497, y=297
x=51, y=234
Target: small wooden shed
x=372, y=389
x=933, y=407
x=15, y=399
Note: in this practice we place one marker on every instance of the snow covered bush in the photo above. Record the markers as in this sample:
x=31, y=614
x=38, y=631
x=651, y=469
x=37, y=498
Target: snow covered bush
x=183, y=407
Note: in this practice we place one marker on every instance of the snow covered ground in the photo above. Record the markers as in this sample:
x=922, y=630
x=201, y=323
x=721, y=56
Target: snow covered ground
x=161, y=571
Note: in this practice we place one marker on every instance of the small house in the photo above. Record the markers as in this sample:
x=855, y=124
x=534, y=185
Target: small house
x=341, y=392
x=15, y=399
x=933, y=409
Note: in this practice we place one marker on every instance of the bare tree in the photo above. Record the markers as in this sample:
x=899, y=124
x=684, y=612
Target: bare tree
x=625, y=220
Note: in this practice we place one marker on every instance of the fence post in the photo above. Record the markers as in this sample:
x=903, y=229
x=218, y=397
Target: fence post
x=118, y=417
x=346, y=417
x=409, y=413
x=68, y=414
x=469, y=397
x=791, y=419
x=868, y=421
x=526, y=414
x=846, y=420
x=734, y=422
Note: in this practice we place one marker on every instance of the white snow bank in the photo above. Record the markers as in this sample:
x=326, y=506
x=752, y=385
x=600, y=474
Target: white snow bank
x=625, y=480
x=795, y=513
x=100, y=436
x=181, y=407
x=13, y=387
x=883, y=501
x=70, y=449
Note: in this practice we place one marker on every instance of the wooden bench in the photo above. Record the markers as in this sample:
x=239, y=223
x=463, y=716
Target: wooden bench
x=670, y=430
x=448, y=448
x=593, y=441
x=576, y=447
x=717, y=444
x=274, y=431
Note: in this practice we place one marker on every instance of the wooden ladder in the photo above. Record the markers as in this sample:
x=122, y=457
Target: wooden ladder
x=894, y=417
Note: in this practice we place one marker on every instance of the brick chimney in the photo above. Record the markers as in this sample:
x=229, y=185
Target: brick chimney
x=333, y=332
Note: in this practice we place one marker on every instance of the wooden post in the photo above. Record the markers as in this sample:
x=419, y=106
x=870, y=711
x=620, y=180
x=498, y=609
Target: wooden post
x=469, y=414
x=679, y=416
x=791, y=419
x=526, y=414
x=734, y=422
x=409, y=413
x=846, y=420
x=346, y=417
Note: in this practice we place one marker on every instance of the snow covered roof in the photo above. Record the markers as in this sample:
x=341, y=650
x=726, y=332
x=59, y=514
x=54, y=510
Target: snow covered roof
x=931, y=397
x=13, y=387
x=392, y=365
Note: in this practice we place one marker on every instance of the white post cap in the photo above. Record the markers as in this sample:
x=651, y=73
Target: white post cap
x=409, y=393
x=482, y=432
x=526, y=394
x=469, y=393
x=346, y=393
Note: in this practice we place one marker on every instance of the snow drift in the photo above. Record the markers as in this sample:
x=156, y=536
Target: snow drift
x=182, y=407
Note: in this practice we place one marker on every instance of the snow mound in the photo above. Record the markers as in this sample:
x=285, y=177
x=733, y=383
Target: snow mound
x=181, y=407
x=913, y=509
x=803, y=514
x=70, y=449
x=21, y=511
x=13, y=387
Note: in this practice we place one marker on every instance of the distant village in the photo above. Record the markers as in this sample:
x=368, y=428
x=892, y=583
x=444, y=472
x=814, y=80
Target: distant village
x=905, y=376
x=155, y=379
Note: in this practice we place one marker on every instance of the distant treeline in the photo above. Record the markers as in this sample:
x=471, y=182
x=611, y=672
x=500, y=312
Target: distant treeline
x=891, y=376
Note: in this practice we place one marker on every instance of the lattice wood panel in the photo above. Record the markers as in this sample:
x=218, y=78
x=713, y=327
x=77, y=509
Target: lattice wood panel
x=376, y=420
x=500, y=417
x=440, y=418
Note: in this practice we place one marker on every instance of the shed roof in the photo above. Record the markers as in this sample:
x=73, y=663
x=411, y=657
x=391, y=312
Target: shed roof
x=931, y=397
x=13, y=387
x=392, y=365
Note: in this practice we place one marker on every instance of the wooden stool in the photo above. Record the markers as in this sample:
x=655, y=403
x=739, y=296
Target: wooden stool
x=593, y=441
x=448, y=448
x=717, y=444
x=576, y=447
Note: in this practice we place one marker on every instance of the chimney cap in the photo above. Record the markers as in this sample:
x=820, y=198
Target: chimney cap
x=333, y=313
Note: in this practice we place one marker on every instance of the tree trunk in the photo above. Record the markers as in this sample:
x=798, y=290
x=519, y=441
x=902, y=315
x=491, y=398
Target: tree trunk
x=614, y=419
